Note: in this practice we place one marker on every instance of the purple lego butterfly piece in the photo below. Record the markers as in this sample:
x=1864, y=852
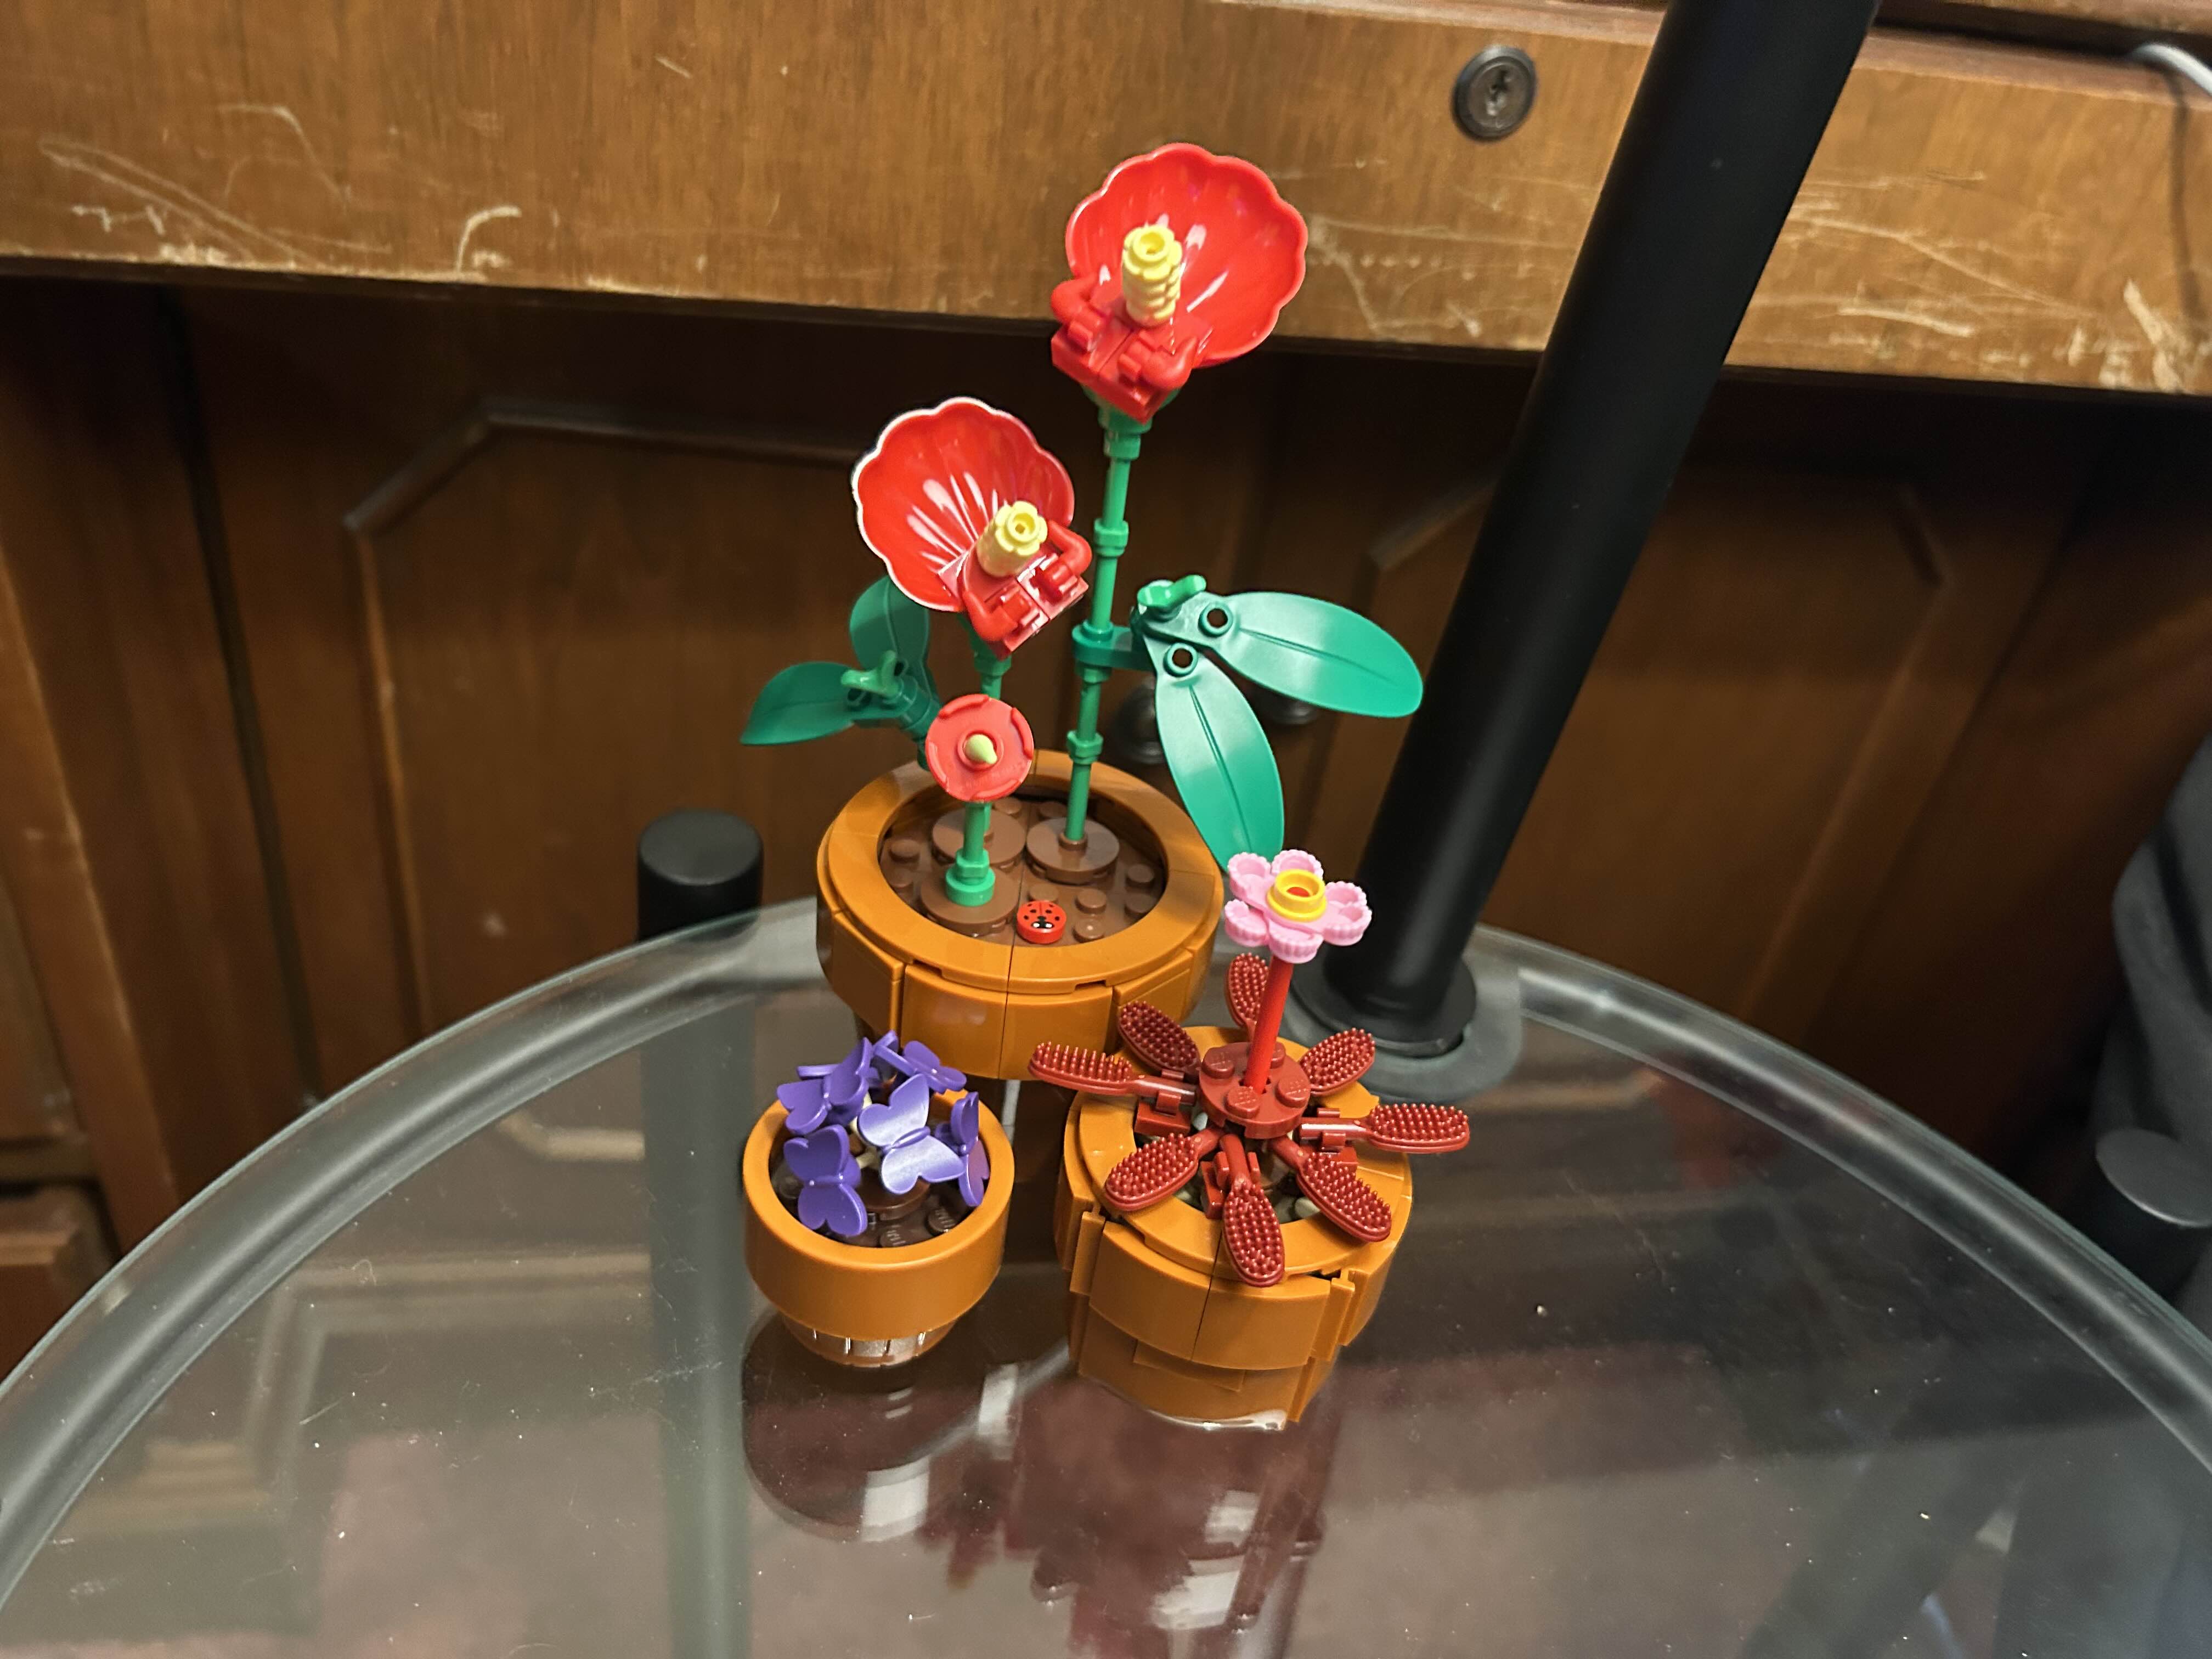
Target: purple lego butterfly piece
x=962, y=1128
x=917, y=1059
x=974, y=1175
x=830, y=1197
x=826, y=1094
x=899, y=1126
x=824, y=1071
x=805, y=1105
x=962, y=1133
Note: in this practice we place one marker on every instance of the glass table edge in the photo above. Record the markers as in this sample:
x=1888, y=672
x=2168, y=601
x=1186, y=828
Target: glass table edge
x=2167, y=1365
x=598, y=1010
x=71, y=1399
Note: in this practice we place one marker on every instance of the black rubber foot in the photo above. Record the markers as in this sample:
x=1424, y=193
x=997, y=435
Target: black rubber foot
x=693, y=867
x=1436, y=1061
x=2147, y=1200
x=1415, y=1039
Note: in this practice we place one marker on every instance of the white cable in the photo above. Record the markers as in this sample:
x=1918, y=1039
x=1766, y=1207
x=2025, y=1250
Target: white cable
x=2175, y=61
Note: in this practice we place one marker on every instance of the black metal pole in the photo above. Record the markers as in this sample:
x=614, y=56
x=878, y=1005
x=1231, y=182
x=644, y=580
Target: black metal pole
x=698, y=1102
x=1733, y=100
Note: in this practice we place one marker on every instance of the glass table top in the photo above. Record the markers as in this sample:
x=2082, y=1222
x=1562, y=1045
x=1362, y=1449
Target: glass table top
x=1696, y=1349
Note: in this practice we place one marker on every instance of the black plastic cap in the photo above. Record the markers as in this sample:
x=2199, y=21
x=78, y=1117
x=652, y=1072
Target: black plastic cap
x=2147, y=1202
x=693, y=867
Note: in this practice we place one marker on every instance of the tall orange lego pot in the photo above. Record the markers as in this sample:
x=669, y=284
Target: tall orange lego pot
x=984, y=1003
x=994, y=897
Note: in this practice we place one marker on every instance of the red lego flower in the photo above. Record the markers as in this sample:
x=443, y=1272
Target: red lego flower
x=979, y=748
x=1183, y=259
x=970, y=512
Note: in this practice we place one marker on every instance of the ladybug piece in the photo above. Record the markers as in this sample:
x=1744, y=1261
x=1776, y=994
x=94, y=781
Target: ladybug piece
x=1040, y=921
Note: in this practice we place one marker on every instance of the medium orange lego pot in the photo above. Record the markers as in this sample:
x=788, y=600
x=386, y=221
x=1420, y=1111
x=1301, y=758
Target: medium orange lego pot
x=984, y=1003
x=861, y=1305
x=1157, y=1312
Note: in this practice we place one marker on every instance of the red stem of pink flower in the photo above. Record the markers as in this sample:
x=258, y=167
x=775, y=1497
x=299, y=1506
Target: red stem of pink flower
x=1270, y=1022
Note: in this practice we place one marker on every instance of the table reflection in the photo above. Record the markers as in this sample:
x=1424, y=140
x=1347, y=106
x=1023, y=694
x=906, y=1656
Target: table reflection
x=1157, y=1535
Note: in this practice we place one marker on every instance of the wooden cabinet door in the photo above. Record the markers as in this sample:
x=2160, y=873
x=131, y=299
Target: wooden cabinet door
x=508, y=578
x=130, y=849
x=33, y=1093
x=52, y=1251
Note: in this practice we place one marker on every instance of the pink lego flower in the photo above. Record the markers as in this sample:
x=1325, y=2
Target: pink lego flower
x=1284, y=905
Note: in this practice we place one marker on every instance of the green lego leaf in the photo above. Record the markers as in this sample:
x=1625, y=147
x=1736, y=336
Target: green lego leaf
x=1309, y=649
x=1219, y=753
x=805, y=701
x=885, y=619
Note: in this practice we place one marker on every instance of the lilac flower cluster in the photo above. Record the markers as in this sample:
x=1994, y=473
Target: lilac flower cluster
x=882, y=1090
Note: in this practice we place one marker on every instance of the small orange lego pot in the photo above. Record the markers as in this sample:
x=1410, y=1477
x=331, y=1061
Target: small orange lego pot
x=1071, y=936
x=862, y=1304
x=1157, y=1312
x=1227, y=1208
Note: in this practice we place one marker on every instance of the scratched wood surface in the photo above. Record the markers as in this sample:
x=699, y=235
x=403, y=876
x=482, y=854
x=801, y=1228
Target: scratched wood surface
x=1979, y=210
x=2191, y=19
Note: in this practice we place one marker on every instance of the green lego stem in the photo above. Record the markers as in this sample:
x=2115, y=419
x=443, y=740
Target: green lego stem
x=990, y=667
x=1109, y=648
x=1110, y=536
x=971, y=882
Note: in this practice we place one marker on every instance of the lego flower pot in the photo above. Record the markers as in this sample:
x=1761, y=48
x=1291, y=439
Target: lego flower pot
x=1156, y=1310
x=1072, y=939
x=865, y=1305
x=1010, y=914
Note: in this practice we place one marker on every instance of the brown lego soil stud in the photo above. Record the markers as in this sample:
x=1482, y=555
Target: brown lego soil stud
x=877, y=1303
x=1157, y=1312
x=1071, y=935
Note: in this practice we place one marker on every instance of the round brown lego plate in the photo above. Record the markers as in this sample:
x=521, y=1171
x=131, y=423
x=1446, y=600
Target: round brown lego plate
x=1105, y=887
x=983, y=1003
